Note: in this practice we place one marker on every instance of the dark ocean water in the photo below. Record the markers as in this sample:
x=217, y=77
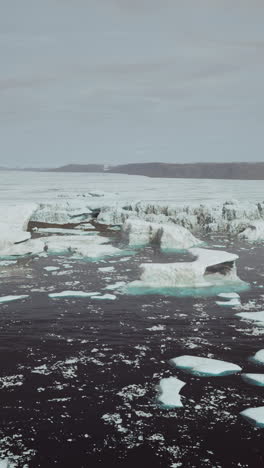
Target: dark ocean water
x=78, y=376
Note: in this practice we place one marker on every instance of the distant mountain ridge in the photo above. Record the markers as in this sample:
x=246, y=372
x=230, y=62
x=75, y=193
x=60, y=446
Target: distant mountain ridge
x=242, y=171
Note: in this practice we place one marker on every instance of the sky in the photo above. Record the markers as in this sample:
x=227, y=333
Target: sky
x=119, y=81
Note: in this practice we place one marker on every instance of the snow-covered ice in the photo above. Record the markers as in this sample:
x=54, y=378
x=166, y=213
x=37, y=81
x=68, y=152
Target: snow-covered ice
x=169, y=389
x=254, y=416
x=205, y=367
x=254, y=379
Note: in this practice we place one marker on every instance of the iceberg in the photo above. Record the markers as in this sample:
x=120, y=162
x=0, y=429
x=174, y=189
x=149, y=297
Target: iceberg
x=169, y=389
x=254, y=316
x=258, y=357
x=254, y=416
x=254, y=379
x=168, y=236
x=211, y=267
x=4, y=299
x=205, y=367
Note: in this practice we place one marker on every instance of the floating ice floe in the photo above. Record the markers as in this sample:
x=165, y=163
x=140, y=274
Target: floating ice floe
x=254, y=316
x=117, y=285
x=51, y=268
x=227, y=295
x=231, y=303
x=169, y=390
x=258, y=357
x=168, y=236
x=254, y=416
x=73, y=294
x=254, y=379
x=4, y=299
x=106, y=269
x=88, y=247
x=110, y=297
x=5, y=263
x=211, y=267
x=254, y=232
x=205, y=367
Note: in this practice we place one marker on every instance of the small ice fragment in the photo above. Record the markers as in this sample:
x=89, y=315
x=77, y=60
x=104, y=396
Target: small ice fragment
x=51, y=268
x=254, y=379
x=12, y=298
x=205, y=367
x=169, y=389
x=73, y=294
x=255, y=416
x=258, y=357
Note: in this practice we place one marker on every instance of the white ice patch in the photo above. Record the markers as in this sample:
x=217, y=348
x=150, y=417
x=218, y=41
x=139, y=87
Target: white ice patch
x=110, y=297
x=168, y=236
x=255, y=416
x=258, y=357
x=211, y=267
x=13, y=226
x=231, y=295
x=115, y=286
x=232, y=303
x=106, y=269
x=169, y=389
x=83, y=246
x=4, y=299
x=205, y=367
x=73, y=294
x=254, y=379
x=254, y=316
x=51, y=268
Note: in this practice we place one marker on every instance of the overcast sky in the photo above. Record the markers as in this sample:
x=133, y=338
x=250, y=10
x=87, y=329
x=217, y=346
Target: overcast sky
x=117, y=81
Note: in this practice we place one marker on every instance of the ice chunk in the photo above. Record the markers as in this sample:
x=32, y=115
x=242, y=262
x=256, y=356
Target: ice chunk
x=4, y=299
x=210, y=268
x=231, y=295
x=255, y=416
x=254, y=379
x=169, y=389
x=73, y=294
x=232, y=303
x=254, y=232
x=84, y=246
x=117, y=285
x=205, y=367
x=166, y=235
x=258, y=357
x=51, y=268
x=110, y=297
x=106, y=269
x=254, y=316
